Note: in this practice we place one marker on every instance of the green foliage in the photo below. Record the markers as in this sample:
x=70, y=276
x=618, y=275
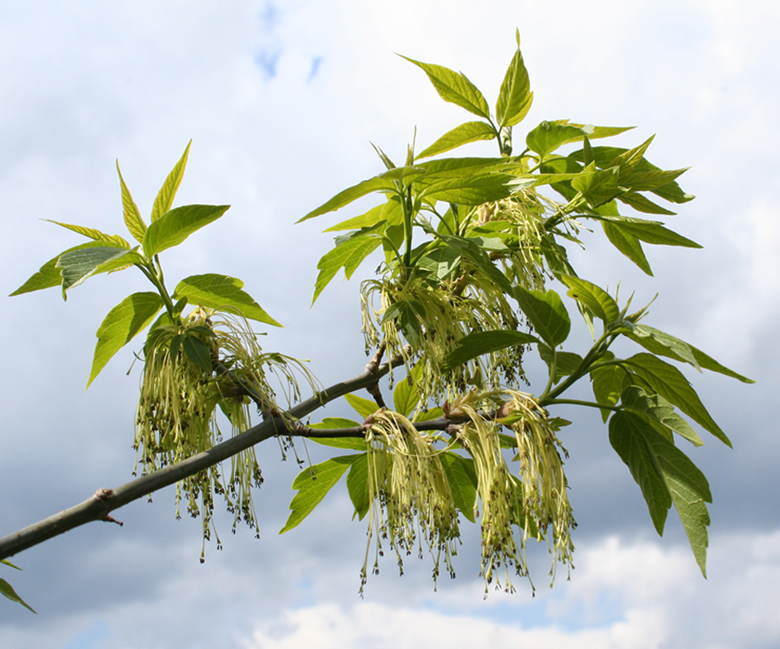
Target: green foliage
x=467, y=248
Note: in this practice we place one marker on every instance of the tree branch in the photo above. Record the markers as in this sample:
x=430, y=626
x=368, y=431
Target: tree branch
x=104, y=501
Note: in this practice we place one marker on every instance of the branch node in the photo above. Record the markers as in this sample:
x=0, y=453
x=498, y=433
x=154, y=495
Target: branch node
x=101, y=495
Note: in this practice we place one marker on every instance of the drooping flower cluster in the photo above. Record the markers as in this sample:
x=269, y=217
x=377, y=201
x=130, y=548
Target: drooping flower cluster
x=410, y=501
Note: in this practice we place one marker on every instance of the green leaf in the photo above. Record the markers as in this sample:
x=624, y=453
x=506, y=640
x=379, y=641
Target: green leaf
x=454, y=87
x=598, y=186
x=607, y=384
x=405, y=395
x=347, y=255
x=78, y=265
x=357, y=485
x=651, y=457
x=164, y=201
x=673, y=346
x=7, y=590
x=176, y=225
x=669, y=382
x=389, y=211
x=135, y=224
x=49, y=274
x=349, y=443
x=440, y=262
x=485, y=342
x=222, y=293
x=198, y=352
x=91, y=233
x=565, y=362
x=596, y=299
x=476, y=189
x=364, y=407
x=460, y=135
x=625, y=436
x=651, y=232
x=548, y=136
x=643, y=204
x=704, y=361
x=313, y=484
x=627, y=243
x=121, y=325
x=546, y=313
x=349, y=195
x=515, y=97
x=659, y=411
x=462, y=477
x=471, y=250
x=428, y=415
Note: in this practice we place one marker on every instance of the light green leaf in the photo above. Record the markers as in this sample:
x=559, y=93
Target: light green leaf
x=649, y=180
x=405, y=395
x=471, y=250
x=641, y=203
x=350, y=194
x=222, y=293
x=91, y=233
x=78, y=265
x=428, y=415
x=546, y=313
x=485, y=342
x=389, y=211
x=607, y=384
x=651, y=232
x=49, y=274
x=659, y=411
x=349, y=443
x=598, y=186
x=476, y=189
x=364, y=407
x=454, y=87
x=460, y=135
x=462, y=477
x=596, y=299
x=515, y=97
x=627, y=243
x=121, y=325
x=548, y=136
x=164, y=201
x=357, y=485
x=669, y=382
x=135, y=224
x=176, y=225
x=440, y=262
x=7, y=591
x=347, y=255
x=313, y=484
x=626, y=438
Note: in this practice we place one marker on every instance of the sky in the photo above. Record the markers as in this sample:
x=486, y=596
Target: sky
x=282, y=101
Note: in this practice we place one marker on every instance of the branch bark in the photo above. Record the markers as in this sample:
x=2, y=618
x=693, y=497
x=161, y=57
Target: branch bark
x=99, y=506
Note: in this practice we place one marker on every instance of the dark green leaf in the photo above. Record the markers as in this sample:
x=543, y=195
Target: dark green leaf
x=350, y=194
x=164, y=201
x=485, y=342
x=454, y=87
x=643, y=204
x=651, y=232
x=515, y=97
x=460, y=135
x=565, y=362
x=674, y=347
x=546, y=313
x=607, y=384
x=659, y=411
x=357, y=485
x=197, y=352
x=350, y=443
x=476, y=189
x=627, y=243
x=596, y=299
x=313, y=484
x=598, y=186
x=7, y=591
x=135, y=224
x=121, y=325
x=625, y=435
x=669, y=382
x=176, y=225
x=463, y=482
x=470, y=249
x=222, y=293
x=77, y=265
